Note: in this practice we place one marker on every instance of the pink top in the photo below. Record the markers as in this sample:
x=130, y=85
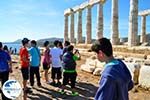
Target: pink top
x=47, y=57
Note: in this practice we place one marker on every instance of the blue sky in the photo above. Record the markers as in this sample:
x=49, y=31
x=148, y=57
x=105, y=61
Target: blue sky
x=38, y=19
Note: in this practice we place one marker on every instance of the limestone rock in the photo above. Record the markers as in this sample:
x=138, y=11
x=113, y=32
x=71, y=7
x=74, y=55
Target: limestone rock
x=90, y=62
x=87, y=68
x=99, y=64
x=129, y=59
x=147, y=62
x=135, y=71
x=93, y=57
x=98, y=71
x=120, y=57
x=144, y=78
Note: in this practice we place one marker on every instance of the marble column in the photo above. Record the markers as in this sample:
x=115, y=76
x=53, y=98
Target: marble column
x=114, y=23
x=88, y=39
x=66, y=28
x=133, y=23
x=143, y=30
x=72, y=39
x=79, y=34
x=100, y=21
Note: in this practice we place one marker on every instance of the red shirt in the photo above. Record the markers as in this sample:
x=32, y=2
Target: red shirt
x=24, y=57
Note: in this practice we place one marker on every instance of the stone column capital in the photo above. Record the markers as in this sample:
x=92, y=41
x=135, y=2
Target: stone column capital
x=102, y=1
x=89, y=6
x=79, y=10
x=66, y=15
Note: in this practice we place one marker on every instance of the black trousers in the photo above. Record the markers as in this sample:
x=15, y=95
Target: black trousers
x=4, y=77
x=34, y=70
x=69, y=77
x=56, y=73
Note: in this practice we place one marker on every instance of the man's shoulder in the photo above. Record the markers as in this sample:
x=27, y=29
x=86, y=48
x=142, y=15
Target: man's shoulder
x=4, y=53
x=114, y=70
x=32, y=48
x=23, y=49
x=56, y=49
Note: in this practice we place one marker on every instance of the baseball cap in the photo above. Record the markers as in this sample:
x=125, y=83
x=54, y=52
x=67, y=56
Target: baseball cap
x=25, y=40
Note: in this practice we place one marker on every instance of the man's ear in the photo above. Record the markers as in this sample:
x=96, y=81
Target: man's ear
x=100, y=53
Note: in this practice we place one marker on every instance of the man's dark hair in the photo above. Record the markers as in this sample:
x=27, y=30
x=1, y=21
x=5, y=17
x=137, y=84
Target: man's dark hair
x=56, y=42
x=70, y=48
x=25, y=41
x=1, y=45
x=46, y=43
x=5, y=47
x=104, y=45
x=60, y=45
x=34, y=42
x=67, y=43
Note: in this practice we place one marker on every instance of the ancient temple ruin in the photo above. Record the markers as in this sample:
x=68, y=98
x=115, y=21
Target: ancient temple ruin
x=133, y=22
x=144, y=14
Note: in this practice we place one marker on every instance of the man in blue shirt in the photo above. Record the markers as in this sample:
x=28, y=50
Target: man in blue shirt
x=5, y=67
x=115, y=79
x=35, y=59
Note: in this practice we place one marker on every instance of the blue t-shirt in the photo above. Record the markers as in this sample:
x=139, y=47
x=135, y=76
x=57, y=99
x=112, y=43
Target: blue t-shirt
x=115, y=82
x=4, y=58
x=34, y=56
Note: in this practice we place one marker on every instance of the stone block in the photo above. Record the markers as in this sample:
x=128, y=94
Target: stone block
x=99, y=64
x=90, y=62
x=87, y=68
x=98, y=71
x=134, y=69
x=147, y=62
x=144, y=78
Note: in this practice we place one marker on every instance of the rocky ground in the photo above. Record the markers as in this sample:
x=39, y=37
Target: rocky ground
x=87, y=85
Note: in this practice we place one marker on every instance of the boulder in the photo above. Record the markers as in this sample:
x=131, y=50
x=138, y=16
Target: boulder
x=134, y=69
x=129, y=59
x=99, y=64
x=87, y=68
x=97, y=71
x=147, y=62
x=144, y=78
x=93, y=57
x=120, y=57
x=139, y=61
x=90, y=62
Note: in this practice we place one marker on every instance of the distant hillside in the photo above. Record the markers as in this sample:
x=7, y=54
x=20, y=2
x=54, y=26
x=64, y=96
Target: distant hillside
x=17, y=41
x=40, y=41
x=51, y=40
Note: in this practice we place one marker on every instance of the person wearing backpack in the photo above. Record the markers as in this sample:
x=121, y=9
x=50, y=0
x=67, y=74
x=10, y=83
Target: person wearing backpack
x=69, y=70
x=5, y=67
x=46, y=61
x=35, y=60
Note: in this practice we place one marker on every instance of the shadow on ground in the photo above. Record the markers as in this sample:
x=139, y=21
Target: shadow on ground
x=86, y=92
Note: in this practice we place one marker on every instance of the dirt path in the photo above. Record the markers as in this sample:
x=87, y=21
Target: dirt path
x=87, y=85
